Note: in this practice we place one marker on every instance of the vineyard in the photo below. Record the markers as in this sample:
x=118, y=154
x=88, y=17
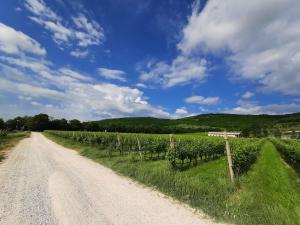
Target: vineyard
x=290, y=150
x=182, y=152
x=194, y=169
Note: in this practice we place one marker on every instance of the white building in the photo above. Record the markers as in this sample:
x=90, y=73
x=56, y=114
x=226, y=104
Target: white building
x=222, y=134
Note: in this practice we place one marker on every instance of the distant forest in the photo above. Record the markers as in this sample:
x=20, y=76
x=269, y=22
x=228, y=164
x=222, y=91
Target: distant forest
x=249, y=125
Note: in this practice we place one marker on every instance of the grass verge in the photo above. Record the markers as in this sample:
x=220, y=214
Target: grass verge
x=268, y=194
x=10, y=141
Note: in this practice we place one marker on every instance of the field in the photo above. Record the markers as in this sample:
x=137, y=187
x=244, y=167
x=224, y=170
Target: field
x=8, y=140
x=193, y=169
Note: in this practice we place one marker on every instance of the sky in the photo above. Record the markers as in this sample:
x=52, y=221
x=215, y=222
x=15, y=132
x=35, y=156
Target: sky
x=100, y=59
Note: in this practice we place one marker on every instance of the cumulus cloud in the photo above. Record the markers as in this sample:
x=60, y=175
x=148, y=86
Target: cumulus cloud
x=65, y=92
x=181, y=71
x=16, y=42
x=200, y=100
x=261, y=37
x=181, y=112
x=112, y=74
x=87, y=101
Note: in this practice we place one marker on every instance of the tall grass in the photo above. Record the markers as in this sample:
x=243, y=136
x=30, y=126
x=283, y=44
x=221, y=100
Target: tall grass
x=9, y=140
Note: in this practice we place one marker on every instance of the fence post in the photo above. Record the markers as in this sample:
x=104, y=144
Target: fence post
x=229, y=158
x=139, y=146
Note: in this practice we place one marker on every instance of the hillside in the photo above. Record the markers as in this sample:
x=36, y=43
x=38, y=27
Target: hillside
x=199, y=123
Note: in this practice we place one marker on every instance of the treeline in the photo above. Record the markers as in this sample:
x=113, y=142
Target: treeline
x=40, y=122
x=43, y=122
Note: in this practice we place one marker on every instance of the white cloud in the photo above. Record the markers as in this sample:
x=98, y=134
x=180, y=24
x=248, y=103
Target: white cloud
x=182, y=70
x=39, y=8
x=273, y=109
x=73, y=74
x=79, y=54
x=140, y=85
x=67, y=93
x=91, y=33
x=200, y=100
x=27, y=98
x=247, y=95
x=79, y=31
x=62, y=92
x=262, y=38
x=35, y=103
x=112, y=74
x=180, y=112
x=61, y=34
x=34, y=64
x=29, y=90
x=16, y=42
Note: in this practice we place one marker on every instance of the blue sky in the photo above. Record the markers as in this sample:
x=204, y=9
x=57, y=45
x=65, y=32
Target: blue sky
x=100, y=59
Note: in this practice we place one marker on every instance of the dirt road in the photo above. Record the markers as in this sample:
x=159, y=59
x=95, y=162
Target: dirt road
x=44, y=183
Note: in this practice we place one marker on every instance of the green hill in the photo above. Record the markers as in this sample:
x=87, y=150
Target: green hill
x=199, y=123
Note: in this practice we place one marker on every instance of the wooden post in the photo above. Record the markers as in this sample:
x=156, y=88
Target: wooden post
x=229, y=158
x=139, y=146
x=118, y=138
x=171, y=141
x=172, y=149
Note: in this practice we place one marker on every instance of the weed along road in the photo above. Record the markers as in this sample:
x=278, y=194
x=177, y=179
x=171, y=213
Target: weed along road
x=44, y=183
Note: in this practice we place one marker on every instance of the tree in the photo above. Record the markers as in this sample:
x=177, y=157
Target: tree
x=60, y=124
x=11, y=124
x=90, y=126
x=75, y=124
x=2, y=124
x=40, y=122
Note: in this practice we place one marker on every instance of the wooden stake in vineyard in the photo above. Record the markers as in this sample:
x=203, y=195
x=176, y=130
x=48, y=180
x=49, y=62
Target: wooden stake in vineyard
x=229, y=158
x=172, y=148
x=139, y=146
x=171, y=141
x=119, y=141
x=119, y=147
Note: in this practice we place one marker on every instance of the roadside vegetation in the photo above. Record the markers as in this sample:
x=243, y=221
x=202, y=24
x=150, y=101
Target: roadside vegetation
x=267, y=189
x=9, y=140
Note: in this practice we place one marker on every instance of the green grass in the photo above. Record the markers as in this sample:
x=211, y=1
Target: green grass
x=191, y=135
x=10, y=141
x=268, y=194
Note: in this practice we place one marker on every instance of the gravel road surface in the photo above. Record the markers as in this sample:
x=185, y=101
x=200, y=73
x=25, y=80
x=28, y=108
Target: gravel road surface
x=42, y=182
